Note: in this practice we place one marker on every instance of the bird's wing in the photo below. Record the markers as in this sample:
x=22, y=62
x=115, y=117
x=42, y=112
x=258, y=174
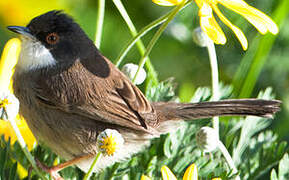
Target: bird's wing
x=112, y=99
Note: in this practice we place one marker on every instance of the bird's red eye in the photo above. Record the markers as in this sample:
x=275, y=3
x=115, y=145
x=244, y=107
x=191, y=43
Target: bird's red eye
x=52, y=38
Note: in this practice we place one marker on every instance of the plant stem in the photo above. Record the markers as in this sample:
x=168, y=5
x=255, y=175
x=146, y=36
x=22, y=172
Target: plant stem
x=126, y=49
x=141, y=33
x=25, y=149
x=138, y=36
x=90, y=171
x=228, y=159
x=157, y=35
x=139, y=42
x=215, y=78
x=99, y=22
x=215, y=97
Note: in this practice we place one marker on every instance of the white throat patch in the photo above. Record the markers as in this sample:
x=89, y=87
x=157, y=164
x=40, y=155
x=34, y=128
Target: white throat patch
x=33, y=55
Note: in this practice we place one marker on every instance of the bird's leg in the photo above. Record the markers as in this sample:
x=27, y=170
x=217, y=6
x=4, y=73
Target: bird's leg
x=53, y=171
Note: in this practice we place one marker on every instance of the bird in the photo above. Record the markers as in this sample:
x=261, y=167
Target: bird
x=69, y=93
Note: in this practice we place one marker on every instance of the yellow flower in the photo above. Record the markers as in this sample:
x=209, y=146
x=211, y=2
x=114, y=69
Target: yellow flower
x=3, y=105
x=8, y=61
x=190, y=174
x=21, y=12
x=109, y=145
x=167, y=174
x=209, y=25
x=110, y=141
x=144, y=177
x=8, y=132
x=9, y=105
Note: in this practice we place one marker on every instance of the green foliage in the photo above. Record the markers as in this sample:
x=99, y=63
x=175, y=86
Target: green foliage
x=283, y=173
x=7, y=165
x=164, y=91
x=256, y=151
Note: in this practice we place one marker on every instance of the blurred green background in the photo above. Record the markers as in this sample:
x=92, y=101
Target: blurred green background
x=175, y=54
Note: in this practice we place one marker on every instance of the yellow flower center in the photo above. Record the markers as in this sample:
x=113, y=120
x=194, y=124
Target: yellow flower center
x=109, y=145
x=4, y=103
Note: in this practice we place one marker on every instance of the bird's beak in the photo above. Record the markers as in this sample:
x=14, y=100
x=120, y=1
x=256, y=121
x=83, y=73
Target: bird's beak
x=20, y=30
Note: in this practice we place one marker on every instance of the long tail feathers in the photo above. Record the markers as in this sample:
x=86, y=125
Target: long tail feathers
x=232, y=107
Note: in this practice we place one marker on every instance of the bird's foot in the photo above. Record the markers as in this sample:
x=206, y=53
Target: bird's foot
x=53, y=171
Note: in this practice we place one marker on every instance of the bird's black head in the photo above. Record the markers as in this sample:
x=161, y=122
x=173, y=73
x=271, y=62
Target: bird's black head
x=58, y=32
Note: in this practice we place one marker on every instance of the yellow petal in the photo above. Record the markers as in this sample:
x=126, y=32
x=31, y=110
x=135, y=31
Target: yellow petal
x=22, y=172
x=217, y=179
x=200, y=3
x=8, y=132
x=210, y=26
x=21, y=12
x=8, y=60
x=167, y=2
x=261, y=21
x=240, y=35
x=191, y=173
x=144, y=177
x=167, y=174
x=26, y=133
x=263, y=18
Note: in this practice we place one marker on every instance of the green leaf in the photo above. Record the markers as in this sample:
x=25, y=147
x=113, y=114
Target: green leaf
x=201, y=94
x=4, y=159
x=273, y=175
x=283, y=170
x=167, y=147
x=152, y=165
x=251, y=126
x=261, y=55
x=13, y=172
x=164, y=91
x=263, y=154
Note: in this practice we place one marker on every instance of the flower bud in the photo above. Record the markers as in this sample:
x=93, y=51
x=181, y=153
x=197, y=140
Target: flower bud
x=207, y=139
x=200, y=38
x=191, y=173
x=9, y=106
x=131, y=69
x=167, y=174
x=110, y=141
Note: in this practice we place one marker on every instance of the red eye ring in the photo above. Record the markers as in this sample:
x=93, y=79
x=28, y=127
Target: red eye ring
x=52, y=38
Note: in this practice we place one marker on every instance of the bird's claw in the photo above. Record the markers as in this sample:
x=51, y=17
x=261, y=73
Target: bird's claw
x=51, y=170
